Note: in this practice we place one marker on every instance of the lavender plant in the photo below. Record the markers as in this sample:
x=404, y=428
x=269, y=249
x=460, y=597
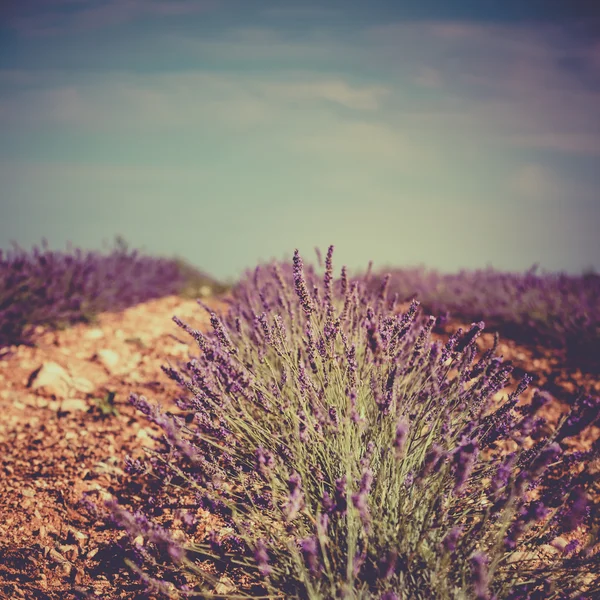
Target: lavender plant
x=54, y=289
x=347, y=455
x=551, y=309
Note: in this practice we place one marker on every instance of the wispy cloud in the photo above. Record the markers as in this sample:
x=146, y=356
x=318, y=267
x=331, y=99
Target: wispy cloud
x=118, y=101
x=332, y=90
x=367, y=142
x=544, y=187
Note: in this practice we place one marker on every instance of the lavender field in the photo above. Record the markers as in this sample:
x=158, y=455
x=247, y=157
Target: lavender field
x=315, y=314
x=328, y=436
x=554, y=310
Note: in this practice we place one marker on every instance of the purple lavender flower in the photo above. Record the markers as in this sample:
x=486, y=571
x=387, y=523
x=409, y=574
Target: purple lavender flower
x=433, y=459
x=400, y=439
x=479, y=563
x=577, y=510
x=384, y=288
x=134, y=466
x=310, y=551
x=584, y=412
x=571, y=547
x=535, y=511
x=262, y=320
x=261, y=556
x=222, y=334
x=264, y=462
x=360, y=498
x=327, y=503
x=464, y=460
x=141, y=403
x=340, y=497
x=544, y=458
x=502, y=474
x=469, y=337
x=310, y=348
x=344, y=281
x=189, y=521
x=451, y=538
x=300, y=285
x=421, y=340
x=295, y=501
x=373, y=338
x=388, y=565
x=334, y=417
x=352, y=367
x=328, y=277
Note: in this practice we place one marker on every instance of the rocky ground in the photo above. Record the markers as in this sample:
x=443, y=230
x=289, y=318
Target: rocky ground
x=66, y=427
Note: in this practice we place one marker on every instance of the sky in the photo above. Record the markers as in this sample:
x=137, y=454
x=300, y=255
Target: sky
x=452, y=135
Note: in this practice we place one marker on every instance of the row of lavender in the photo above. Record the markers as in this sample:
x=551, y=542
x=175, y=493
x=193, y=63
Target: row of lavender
x=556, y=310
x=54, y=289
x=347, y=455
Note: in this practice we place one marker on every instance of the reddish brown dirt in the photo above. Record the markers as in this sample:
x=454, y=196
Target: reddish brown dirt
x=52, y=450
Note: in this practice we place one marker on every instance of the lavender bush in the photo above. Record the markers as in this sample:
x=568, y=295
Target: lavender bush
x=54, y=289
x=555, y=310
x=346, y=455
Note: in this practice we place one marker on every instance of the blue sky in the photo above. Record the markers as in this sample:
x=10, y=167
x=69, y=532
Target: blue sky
x=449, y=134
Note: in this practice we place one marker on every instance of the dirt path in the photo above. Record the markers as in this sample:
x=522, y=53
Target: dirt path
x=56, y=444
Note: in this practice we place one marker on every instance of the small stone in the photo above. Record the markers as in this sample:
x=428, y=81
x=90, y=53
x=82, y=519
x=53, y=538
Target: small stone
x=73, y=405
x=560, y=543
x=81, y=384
x=549, y=549
x=28, y=492
x=94, y=334
x=109, y=359
x=52, y=380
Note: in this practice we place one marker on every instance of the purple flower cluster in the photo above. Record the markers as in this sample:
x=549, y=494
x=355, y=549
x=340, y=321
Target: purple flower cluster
x=344, y=450
x=52, y=288
x=552, y=309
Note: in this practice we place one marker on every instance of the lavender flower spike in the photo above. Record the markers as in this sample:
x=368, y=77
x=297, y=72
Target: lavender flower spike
x=328, y=278
x=400, y=439
x=310, y=551
x=261, y=557
x=300, y=285
x=295, y=502
x=480, y=576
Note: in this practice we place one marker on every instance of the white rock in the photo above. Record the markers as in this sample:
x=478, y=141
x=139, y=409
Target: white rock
x=52, y=380
x=109, y=359
x=94, y=334
x=73, y=405
x=81, y=384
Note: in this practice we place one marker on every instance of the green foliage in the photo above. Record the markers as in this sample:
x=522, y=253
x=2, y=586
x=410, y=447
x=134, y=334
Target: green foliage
x=106, y=405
